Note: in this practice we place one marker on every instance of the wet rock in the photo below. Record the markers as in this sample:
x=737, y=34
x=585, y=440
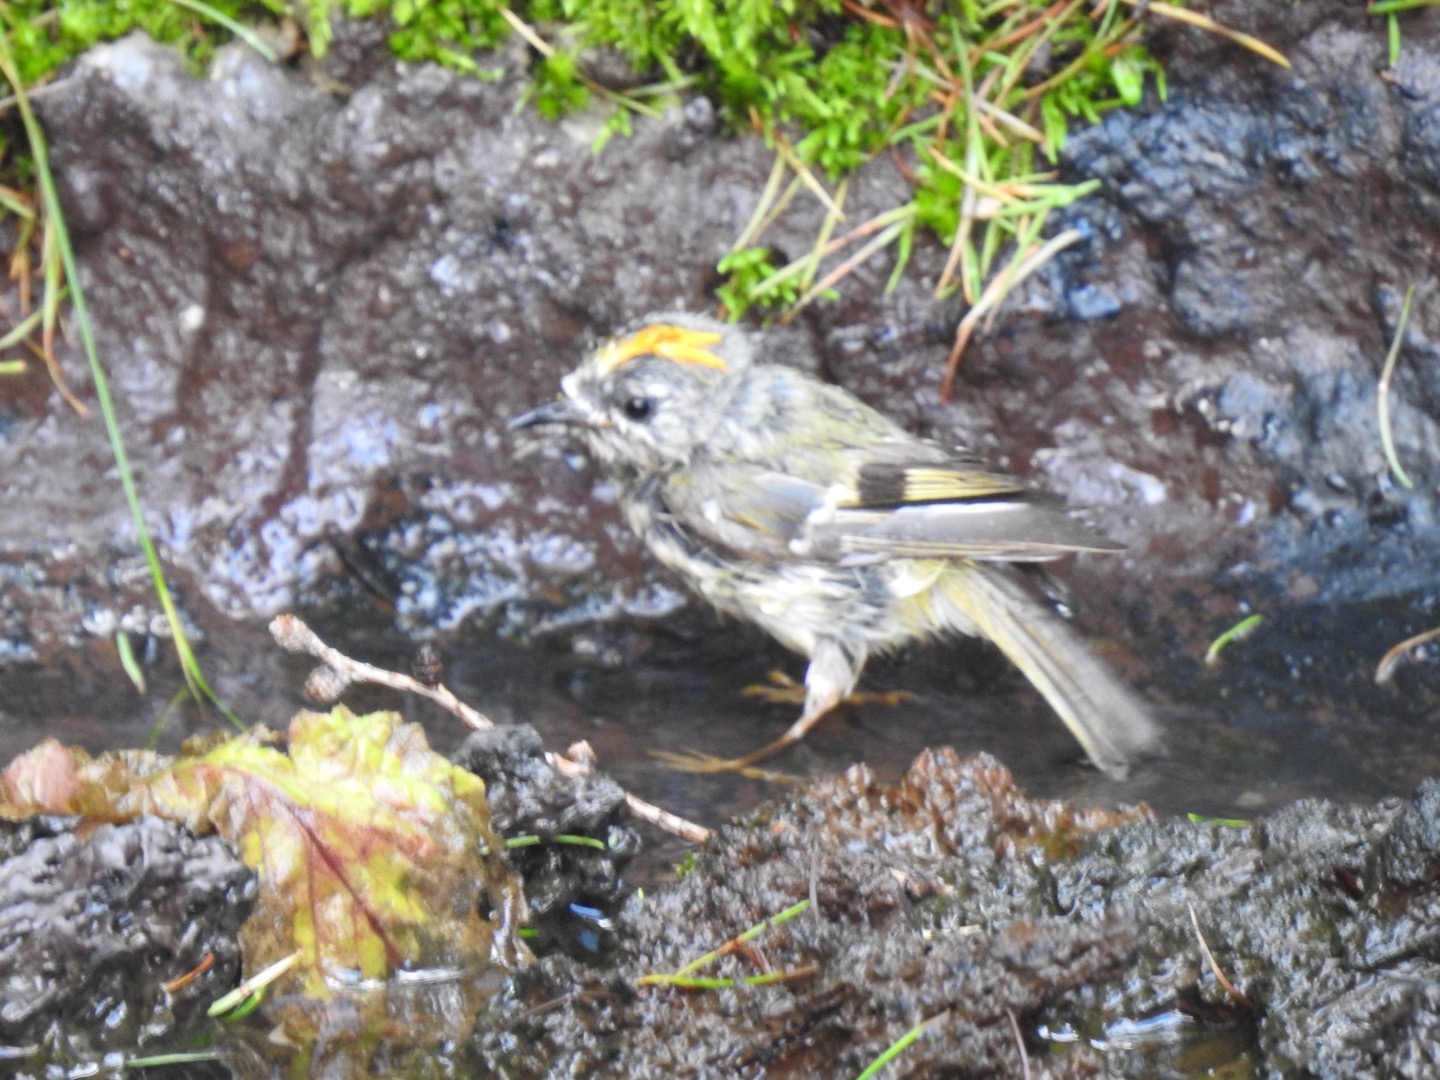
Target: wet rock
x=364, y=286
x=1386, y=1026
x=956, y=897
x=1263, y=202
x=338, y=303
x=1294, y=910
x=1027, y=935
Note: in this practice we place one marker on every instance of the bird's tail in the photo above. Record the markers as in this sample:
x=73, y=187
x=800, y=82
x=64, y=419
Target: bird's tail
x=1104, y=715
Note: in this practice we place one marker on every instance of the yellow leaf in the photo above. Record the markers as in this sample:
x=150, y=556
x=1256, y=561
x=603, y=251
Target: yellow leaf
x=368, y=845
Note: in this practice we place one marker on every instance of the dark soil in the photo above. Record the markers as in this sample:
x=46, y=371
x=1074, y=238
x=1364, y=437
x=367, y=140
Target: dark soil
x=1029, y=935
x=321, y=294
x=92, y=925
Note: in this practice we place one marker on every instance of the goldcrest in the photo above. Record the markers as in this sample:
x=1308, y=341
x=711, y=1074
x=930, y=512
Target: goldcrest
x=789, y=503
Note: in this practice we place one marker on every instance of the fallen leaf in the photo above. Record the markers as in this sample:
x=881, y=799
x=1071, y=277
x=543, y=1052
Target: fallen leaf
x=370, y=847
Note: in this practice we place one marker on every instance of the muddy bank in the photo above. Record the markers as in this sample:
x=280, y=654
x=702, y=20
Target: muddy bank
x=1029, y=937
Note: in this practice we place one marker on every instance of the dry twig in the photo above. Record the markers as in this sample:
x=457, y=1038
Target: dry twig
x=292, y=635
x=1390, y=662
x=1225, y=983
x=995, y=293
x=1019, y=1042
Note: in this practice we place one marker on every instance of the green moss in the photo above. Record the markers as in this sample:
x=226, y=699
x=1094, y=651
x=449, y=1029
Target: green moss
x=46, y=33
x=447, y=32
x=836, y=83
x=745, y=270
x=557, y=88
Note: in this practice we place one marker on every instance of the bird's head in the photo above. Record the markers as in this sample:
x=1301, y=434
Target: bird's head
x=647, y=397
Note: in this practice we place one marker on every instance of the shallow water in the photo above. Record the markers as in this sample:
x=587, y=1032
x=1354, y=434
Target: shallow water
x=1292, y=712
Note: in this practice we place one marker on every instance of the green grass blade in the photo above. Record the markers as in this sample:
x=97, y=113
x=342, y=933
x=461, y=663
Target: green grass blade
x=1389, y=7
x=23, y=329
x=899, y=1046
x=1239, y=632
x=1382, y=396
x=240, y=30
x=749, y=935
x=129, y=662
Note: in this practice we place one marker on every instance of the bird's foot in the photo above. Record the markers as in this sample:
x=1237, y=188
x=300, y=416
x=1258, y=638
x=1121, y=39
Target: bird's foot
x=778, y=689
x=891, y=698
x=781, y=689
x=694, y=761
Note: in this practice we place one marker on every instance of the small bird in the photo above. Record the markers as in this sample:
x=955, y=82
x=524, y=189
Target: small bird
x=791, y=504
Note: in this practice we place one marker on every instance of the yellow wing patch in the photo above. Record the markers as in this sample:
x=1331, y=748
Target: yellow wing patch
x=662, y=339
x=940, y=485
x=884, y=484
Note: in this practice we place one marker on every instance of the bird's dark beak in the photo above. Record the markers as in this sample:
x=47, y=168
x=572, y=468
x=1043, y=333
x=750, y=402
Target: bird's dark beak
x=559, y=411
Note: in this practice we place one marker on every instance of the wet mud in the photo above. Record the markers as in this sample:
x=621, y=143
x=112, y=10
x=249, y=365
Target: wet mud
x=94, y=924
x=1029, y=937
x=321, y=294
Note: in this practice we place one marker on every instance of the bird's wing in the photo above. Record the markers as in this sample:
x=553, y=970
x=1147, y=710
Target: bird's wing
x=951, y=509
x=747, y=510
x=960, y=508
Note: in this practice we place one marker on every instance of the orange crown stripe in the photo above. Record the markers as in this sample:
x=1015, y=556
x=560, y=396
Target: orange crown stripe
x=662, y=339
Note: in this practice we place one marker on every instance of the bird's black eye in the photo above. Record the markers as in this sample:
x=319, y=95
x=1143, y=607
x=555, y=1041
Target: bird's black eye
x=638, y=408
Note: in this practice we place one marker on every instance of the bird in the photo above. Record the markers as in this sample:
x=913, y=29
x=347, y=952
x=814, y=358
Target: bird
x=789, y=503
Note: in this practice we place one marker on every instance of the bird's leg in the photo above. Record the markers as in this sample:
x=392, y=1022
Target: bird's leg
x=781, y=689
x=829, y=678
